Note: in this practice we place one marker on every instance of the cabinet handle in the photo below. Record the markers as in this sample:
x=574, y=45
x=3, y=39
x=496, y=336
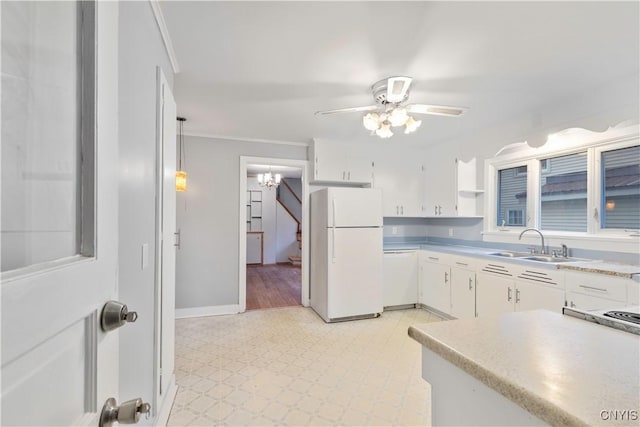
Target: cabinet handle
x=435, y=207
x=592, y=288
x=517, y=296
x=397, y=210
x=349, y=176
x=343, y=175
x=462, y=263
x=572, y=304
x=433, y=258
x=401, y=210
x=446, y=277
x=470, y=281
x=509, y=294
x=439, y=210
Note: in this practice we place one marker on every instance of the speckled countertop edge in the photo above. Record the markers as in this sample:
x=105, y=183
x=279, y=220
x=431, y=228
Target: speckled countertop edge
x=531, y=402
x=591, y=269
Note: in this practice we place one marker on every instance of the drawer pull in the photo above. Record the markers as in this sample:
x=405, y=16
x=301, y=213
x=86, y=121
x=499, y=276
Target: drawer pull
x=593, y=288
x=434, y=258
x=462, y=263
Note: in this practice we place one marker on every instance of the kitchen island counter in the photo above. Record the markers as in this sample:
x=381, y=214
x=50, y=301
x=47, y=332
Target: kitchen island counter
x=556, y=369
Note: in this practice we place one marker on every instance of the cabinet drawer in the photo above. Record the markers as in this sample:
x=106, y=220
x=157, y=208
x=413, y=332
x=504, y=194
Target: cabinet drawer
x=439, y=257
x=466, y=263
x=598, y=285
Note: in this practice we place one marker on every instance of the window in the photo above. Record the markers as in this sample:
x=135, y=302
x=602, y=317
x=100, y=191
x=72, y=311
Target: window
x=563, y=193
x=516, y=217
x=620, y=181
x=512, y=194
x=48, y=58
x=577, y=186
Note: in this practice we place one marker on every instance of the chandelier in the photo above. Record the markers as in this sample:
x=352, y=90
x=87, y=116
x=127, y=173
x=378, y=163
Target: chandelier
x=269, y=180
x=381, y=123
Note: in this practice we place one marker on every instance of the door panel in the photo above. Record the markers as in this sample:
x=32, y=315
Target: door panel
x=355, y=272
x=463, y=293
x=436, y=286
x=58, y=367
x=168, y=233
x=533, y=297
x=354, y=207
x=494, y=295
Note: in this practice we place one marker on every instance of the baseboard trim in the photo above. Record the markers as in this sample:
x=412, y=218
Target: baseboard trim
x=213, y=310
x=165, y=410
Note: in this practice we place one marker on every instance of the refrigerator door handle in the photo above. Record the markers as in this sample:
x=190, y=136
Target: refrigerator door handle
x=333, y=231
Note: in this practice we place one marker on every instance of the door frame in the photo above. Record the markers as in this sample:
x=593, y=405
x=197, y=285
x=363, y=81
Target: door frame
x=242, y=253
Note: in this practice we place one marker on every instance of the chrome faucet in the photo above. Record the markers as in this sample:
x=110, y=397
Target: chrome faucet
x=543, y=251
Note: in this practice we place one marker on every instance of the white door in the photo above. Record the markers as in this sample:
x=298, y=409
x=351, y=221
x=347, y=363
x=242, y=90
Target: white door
x=436, y=286
x=463, y=293
x=60, y=210
x=530, y=296
x=167, y=234
x=355, y=272
x=354, y=207
x=494, y=295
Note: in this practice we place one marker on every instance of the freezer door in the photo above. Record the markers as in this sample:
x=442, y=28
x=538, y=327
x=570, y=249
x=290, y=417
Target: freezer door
x=355, y=272
x=354, y=207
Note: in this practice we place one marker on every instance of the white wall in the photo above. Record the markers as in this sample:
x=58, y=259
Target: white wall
x=207, y=262
x=141, y=50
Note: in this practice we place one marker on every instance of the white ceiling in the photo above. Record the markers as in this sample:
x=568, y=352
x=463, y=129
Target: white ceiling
x=259, y=70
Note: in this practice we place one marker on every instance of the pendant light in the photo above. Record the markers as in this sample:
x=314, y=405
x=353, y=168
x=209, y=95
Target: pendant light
x=181, y=176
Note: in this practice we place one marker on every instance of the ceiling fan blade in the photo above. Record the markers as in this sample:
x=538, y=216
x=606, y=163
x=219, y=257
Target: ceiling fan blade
x=349, y=110
x=438, y=110
x=398, y=88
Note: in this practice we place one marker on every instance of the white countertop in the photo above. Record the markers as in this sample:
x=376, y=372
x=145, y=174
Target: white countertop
x=588, y=266
x=563, y=370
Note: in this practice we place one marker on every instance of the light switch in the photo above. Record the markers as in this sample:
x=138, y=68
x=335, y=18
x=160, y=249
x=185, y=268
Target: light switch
x=145, y=255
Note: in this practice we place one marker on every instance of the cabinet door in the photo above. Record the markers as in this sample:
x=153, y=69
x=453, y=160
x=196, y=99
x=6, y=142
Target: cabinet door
x=435, y=281
x=254, y=248
x=494, y=295
x=400, y=177
x=589, y=302
x=400, y=284
x=340, y=162
x=439, y=191
x=463, y=293
x=530, y=296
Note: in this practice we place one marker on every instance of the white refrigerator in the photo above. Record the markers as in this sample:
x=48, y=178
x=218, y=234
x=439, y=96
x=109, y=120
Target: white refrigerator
x=346, y=253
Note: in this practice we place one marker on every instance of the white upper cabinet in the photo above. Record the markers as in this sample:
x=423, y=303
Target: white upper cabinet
x=399, y=174
x=340, y=162
x=450, y=187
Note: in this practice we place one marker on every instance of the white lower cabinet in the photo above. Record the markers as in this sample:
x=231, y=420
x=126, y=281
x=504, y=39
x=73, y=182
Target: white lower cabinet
x=589, y=291
x=400, y=283
x=496, y=295
x=463, y=293
x=435, y=281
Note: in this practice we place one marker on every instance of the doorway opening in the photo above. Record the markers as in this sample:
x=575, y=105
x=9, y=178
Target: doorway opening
x=273, y=233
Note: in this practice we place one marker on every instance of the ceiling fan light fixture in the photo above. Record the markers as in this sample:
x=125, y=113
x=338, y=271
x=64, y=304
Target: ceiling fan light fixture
x=398, y=116
x=385, y=130
x=371, y=121
x=412, y=125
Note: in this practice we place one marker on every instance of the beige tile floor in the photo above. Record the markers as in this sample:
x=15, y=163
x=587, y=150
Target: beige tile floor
x=286, y=366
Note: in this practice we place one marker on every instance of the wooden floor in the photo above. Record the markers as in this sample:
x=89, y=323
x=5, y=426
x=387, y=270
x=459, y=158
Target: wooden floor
x=273, y=285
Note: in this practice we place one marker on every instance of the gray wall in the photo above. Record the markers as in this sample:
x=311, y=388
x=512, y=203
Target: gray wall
x=207, y=262
x=141, y=50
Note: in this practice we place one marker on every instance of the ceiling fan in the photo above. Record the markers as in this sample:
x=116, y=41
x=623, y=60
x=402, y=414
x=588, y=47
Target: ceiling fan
x=390, y=94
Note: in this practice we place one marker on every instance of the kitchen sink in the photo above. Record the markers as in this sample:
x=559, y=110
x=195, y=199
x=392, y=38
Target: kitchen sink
x=511, y=254
x=546, y=258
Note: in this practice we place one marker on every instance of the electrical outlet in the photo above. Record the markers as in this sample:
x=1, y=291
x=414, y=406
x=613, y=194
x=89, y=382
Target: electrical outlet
x=394, y=230
x=451, y=232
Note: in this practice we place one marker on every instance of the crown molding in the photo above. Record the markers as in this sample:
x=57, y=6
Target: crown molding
x=164, y=32
x=239, y=139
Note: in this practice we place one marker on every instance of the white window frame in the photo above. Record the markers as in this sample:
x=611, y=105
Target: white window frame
x=562, y=144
